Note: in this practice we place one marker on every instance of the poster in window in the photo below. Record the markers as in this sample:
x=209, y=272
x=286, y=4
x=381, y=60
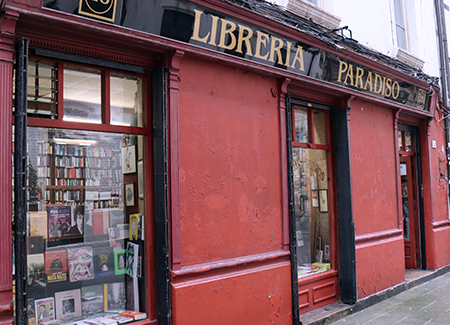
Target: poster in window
x=323, y=200
x=129, y=159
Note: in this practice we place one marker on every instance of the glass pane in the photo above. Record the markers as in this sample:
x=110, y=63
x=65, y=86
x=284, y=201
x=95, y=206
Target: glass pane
x=400, y=141
x=408, y=140
x=126, y=100
x=301, y=125
x=312, y=218
x=398, y=8
x=403, y=174
x=320, y=128
x=41, y=89
x=85, y=224
x=82, y=95
x=401, y=37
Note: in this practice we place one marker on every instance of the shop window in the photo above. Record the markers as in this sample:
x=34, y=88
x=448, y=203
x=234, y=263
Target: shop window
x=310, y=156
x=126, y=100
x=86, y=200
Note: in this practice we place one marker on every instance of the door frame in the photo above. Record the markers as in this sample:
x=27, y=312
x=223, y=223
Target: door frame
x=417, y=174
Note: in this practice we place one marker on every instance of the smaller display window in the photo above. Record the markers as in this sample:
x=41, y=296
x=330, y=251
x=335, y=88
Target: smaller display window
x=310, y=159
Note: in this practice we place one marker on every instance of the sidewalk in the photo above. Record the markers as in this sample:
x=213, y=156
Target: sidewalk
x=424, y=298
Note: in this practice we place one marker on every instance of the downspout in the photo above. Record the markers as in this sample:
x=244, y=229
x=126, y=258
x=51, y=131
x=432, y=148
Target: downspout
x=444, y=68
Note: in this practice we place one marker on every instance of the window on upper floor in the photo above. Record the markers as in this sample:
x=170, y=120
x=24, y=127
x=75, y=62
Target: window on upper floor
x=400, y=24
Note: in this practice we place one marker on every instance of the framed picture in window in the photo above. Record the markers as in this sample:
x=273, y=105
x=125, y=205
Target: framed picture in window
x=323, y=201
x=140, y=167
x=129, y=195
x=129, y=159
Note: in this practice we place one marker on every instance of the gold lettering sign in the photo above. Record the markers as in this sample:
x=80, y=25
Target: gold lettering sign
x=374, y=83
x=267, y=47
x=101, y=9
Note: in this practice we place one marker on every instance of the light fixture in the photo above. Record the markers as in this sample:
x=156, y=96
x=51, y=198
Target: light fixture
x=75, y=141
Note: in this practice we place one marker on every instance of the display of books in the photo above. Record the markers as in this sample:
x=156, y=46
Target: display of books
x=103, y=261
x=132, y=256
x=59, y=221
x=115, y=298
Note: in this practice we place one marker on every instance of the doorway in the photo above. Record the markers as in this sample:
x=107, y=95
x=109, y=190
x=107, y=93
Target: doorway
x=411, y=185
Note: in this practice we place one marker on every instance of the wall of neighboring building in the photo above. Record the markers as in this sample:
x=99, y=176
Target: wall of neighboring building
x=230, y=198
x=379, y=242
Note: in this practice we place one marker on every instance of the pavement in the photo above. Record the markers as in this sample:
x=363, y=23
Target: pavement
x=424, y=298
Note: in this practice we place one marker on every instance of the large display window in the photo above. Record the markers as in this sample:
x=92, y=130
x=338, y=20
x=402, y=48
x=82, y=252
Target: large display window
x=86, y=207
x=310, y=154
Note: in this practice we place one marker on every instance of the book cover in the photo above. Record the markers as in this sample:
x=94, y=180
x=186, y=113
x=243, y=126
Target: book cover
x=117, y=217
x=36, y=270
x=120, y=261
x=31, y=314
x=124, y=232
x=80, y=263
x=56, y=266
x=35, y=245
x=120, y=319
x=38, y=223
x=59, y=218
x=92, y=300
x=132, y=292
x=116, y=298
x=113, y=235
x=132, y=255
x=134, y=226
x=100, y=221
x=68, y=304
x=103, y=261
x=136, y=315
x=45, y=310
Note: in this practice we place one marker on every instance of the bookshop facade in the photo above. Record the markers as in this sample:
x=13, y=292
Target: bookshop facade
x=182, y=161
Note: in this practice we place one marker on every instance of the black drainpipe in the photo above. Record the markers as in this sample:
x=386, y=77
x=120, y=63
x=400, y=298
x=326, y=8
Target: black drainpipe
x=444, y=69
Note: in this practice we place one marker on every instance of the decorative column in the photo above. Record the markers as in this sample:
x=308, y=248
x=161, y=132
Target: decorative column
x=8, y=21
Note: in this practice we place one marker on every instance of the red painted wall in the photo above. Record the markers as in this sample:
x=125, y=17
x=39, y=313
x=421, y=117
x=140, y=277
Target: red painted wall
x=379, y=245
x=230, y=185
x=230, y=198
x=436, y=220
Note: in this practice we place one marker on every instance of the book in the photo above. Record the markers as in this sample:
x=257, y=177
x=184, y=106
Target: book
x=120, y=319
x=132, y=293
x=100, y=221
x=117, y=217
x=35, y=245
x=92, y=300
x=114, y=240
x=68, y=304
x=38, y=223
x=36, y=270
x=115, y=296
x=31, y=312
x=120, y=261
x=59, y=218
x=45, y=310
x=80, y=263
x=132, y=255
x=55, y=266
x=124, y=232
x=134, y=226
x=103, y=261
x=136, y=315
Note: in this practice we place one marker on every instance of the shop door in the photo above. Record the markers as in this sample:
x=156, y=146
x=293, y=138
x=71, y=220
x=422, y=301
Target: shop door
x=409, y=208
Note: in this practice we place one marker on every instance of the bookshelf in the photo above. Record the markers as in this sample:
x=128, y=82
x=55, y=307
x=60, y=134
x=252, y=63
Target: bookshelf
x=73, y=174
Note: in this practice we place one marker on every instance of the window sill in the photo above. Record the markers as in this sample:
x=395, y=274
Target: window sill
x=409, y=59
x=309, y=11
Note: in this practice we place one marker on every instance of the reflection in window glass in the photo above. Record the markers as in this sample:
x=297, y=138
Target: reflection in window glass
x=400, y=141
x=301, y=125
x=408, y=140
x=312, y=218
x=82, y=95
x=126, y=100
x=85, y=218
x=320, y=128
